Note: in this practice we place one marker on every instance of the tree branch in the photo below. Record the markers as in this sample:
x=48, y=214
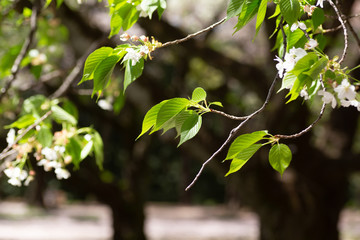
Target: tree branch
x=234, y=131
x=341, y=20
x=194, y=34
x=25, y=48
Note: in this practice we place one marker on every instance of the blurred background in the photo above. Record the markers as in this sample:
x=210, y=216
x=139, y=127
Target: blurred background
x=140, y=193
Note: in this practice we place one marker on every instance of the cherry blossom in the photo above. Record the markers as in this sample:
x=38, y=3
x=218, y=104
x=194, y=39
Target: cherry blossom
x=15, y=175
x=297, y=25
x=132, y=55
x=320, y=3
x=327, y=98
x=10, y=138
x=62, y=173
x=50, y=154
x=311, y=44
x=345, y=90
x=280, y=66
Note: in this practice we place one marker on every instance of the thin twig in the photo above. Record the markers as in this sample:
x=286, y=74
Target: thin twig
x=228, y=115
x=194, y=34
x=340, y=18
x=25, y=48
x=299, y=134
x=18, y=138
x=233, y=132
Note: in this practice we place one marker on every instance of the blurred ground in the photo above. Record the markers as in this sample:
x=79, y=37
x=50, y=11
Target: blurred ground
x=164, y=222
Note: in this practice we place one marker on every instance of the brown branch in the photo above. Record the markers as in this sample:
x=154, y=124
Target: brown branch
x=341, y=20
x=25, y=48
x=190, y=36
x=228, y=115
x=18, y=138
x=234, y=131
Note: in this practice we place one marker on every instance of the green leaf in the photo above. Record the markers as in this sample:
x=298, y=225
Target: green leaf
x=276, y=13
x=23, y=122
x=244, y=141
x=198, y=95
x=288, y=81
x=190, y=128
x=169, y=110
x=248, y=12
x=33, y=105
x=150, y=6
x=280, y=157
x=261, y=15
x=132, y=72
x=45, y=136
x=103, y=71
x=290, y=9
x=296, y=38
x=93, y=60
x=305, y=63
x=86, y=150
x=124, y=15
x=234, y=8
x=317, y=67
x=98, y=149
x=318, y=17
x=181, y=118
x=60, y=115
x=150, y=118
x=73, y=148
x=242, y=158
x=216, y=104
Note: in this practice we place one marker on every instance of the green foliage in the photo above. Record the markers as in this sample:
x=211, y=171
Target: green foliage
x=305, y=72
x=242, y=157
x=132, y=72
x=290, y=10
x=177, y=113
x=124, y=14
x=243, y=142
x=280, y=157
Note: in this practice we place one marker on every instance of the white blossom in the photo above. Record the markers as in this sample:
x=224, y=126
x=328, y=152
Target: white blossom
x=304, y=94
x=291, y=58
x=345, y=90
x=10, y=138
x=311, y=44
x=124, y=37
x=88, y=137
x=320, y=3
x=50, y=154
x=347, y=103
x=280, y=66
x=327, y=98
x=144, y=50
x=297, y=25
x=59, y=149
x=141, y=10
x=104, y=104
x=62, y=173
x=15, y=175
x=132, y=55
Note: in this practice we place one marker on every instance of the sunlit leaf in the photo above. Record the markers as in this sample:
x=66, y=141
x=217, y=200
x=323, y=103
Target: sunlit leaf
x=45, y=136
x=198, y=94
x=132, y=72
x=290, y=9
x=60, y=115
x=244, y=141
x=242, y=158
x=190, y=128
x=280, y=157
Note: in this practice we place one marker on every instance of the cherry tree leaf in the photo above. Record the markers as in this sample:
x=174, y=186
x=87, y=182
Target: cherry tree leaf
x=242, y=158
x=280, y=157
x=290, y=9
x=190, y=128
x=150, y=118
x=93, y=60
x=132, y=72
x=244, y=141
x=198, y=95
